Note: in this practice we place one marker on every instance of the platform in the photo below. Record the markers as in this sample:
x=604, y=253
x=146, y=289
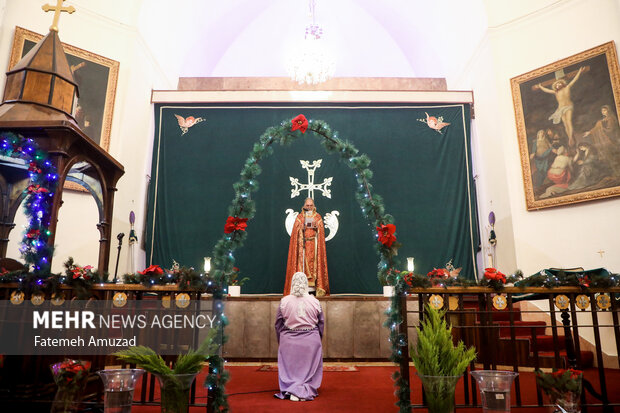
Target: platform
x=353, y=327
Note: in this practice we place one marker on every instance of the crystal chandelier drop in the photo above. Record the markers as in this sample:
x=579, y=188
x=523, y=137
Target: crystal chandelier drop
x=311, y=62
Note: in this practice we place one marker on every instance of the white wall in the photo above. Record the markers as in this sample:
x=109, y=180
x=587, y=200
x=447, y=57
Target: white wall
x=521, y=36
x=524, y=36
x=108, y=29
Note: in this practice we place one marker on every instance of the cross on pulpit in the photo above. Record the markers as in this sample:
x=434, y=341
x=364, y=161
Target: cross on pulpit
x=57, y=10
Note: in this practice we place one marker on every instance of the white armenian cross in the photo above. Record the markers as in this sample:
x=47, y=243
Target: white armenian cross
x=311, y=186
x=330, y=218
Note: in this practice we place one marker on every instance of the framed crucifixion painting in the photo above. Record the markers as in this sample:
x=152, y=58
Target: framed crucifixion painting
x=568, y=131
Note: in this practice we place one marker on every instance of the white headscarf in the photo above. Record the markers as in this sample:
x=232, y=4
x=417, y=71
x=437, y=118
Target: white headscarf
x=299, y=284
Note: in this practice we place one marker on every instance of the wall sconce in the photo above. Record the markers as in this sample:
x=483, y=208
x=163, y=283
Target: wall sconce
x=410, y=265
x=207, y=266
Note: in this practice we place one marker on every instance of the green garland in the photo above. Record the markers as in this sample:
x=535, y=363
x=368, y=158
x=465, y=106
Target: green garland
x=185, y=277
x=243, y=208
x=39, y=197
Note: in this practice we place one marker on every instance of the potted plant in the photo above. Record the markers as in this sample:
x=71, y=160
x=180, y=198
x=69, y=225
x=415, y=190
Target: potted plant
x=563, y=388
x=439, y=363
x=174, y=382
x=234, y=286
x=70, y=376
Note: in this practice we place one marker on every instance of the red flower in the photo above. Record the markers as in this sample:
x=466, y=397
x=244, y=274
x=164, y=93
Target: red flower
x=386, y=234
x=493, y=274
x=437, y=273
x=408, y=277
x=574, y=374
x=152, y=269
x=34, y=168
x=33, y=233
x=235, y=224
x=36, y=189
x=585, y=281
x=299, y=122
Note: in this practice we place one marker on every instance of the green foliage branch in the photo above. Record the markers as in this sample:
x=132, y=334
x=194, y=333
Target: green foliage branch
x=174, y=388
x=436, y=355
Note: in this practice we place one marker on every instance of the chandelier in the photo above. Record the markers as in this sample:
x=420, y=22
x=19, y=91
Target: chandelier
x=311, y=62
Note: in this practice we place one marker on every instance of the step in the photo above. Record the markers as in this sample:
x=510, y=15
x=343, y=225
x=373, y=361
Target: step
x=543, y=342
x=547, y=359
x=522, y=328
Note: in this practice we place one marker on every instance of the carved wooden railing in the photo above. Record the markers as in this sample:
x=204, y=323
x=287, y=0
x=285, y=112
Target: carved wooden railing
x=510, y=344
x=492, y=322
x=39, y=364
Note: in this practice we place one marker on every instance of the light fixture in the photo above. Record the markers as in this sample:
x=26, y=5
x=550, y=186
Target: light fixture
x=410, y=266
x=311, y=61
x=207, y=266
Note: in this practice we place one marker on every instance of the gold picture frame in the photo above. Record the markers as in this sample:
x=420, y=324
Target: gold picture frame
x=567, y=127
x=96, y=76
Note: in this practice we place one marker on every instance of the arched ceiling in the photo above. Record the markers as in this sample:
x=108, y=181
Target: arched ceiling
x=369, y=37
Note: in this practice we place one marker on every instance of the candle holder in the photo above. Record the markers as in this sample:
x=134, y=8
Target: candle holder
x=119, y=385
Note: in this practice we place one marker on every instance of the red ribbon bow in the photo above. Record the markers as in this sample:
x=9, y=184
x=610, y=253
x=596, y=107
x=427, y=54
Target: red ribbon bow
x=299, y=122
x=155, y=269
x=235, y=224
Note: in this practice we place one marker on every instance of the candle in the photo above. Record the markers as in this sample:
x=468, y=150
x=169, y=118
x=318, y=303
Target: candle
x=489, y=261
x=207, y=267
x=410, y=265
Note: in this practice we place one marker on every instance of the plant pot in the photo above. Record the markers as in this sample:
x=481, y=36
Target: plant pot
x=388, y=291
x=174, y=389
x=119, y=385
x=568, y=401
x=234, y=290
x=439, y=392
x=70, y=376
x=494, y=386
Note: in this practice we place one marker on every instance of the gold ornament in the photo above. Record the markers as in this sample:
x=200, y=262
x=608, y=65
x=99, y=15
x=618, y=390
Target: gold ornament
x=119, y=299
x=500, y=302
x=17, y=297
x=582, y=301
x=37, y=299
x=561, y=301
x=603, y=302
x=453, y=303
x=165, y=301
x=436, y=301
x=182, y=300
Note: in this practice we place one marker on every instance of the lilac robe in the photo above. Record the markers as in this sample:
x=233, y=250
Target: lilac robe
x=300, y=353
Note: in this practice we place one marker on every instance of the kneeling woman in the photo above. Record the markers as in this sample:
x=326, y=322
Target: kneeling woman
x=299, y=329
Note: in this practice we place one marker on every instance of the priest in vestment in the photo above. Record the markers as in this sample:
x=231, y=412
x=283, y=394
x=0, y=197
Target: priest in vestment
x=306, y=251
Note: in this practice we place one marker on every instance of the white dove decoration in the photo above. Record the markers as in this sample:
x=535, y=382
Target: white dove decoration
x=330, y=220
x=290, y=220
x=188, y=122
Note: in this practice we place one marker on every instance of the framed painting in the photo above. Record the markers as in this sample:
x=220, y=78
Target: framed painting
x=567, y=126
x=96, y=77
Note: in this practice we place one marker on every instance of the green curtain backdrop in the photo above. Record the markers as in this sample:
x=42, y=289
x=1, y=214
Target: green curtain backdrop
x=424, y=176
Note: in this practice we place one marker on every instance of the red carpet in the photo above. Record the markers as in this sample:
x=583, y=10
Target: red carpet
x=370, y=389
x=343, y=368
